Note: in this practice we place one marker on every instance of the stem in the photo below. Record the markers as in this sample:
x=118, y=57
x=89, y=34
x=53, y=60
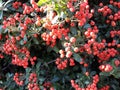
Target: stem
x=6, y=67
x=51, y=61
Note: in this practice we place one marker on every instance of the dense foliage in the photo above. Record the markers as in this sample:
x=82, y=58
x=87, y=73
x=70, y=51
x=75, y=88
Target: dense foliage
x=60, y=45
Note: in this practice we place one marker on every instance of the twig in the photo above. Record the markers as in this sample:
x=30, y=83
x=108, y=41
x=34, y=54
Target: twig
x=6, y=67
x=51, y=61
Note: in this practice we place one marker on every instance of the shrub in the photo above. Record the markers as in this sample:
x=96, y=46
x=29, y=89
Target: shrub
x=60, y=45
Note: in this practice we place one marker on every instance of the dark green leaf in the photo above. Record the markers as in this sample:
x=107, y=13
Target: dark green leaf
x=28, y=70
x=21, y=42
x=25, y=38
x=38, y=65
x=1, y=14
x=92, y=73
x=105, y=74
x=77, y=57
x=116, y=73
x=42, y=79
x=55, y=79
x=86, y=26
x=73, y=30
x=56, y=49
x=1, y=29
x=49, y=49
x=35, y=41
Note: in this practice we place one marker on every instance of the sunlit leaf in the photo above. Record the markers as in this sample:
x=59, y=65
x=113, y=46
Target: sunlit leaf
x=41, y=2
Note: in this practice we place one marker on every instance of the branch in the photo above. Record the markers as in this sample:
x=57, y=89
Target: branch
x=51, y=62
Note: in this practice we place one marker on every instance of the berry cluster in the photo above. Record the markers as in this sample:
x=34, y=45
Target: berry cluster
x=105, y=88
x=1, y=56
x=97, y=47
x=115, y=33
x=27, y=9
x=106, y=68
x=92, y=86
x=82, y=14
x=117, y=62
x=81, y=35
x=115, y=3
x=16, y=5
x=33, y=82
x=54, y=34
x=17, y=79
x=9, y=46
x=9, y=22
x=48, y=85
x=66, y=55
x=112, y=18
x=106, y=54
x=91, y=33
x=105, y=10
x=20, y=56
x=61, y=64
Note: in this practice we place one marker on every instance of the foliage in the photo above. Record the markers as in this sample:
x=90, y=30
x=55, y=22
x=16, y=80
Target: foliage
x=60, y=45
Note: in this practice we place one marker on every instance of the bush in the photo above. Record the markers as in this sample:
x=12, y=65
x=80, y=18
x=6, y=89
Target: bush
x=60, y=45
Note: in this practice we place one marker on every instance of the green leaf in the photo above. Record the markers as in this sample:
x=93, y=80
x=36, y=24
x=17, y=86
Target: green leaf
x=111, y=6
x=116, y=72
x=87, y=82
x=70, y=14
x=62, y=15
x=41, y=2
x=86, y=26
x=83, y=69
x=28, y=70
x=105, y=73
x=77, y=57
x=56, y=49
x=21, y=42
x=92, y=73
x=57, y=8
x=73, y=30
x=1, y=5
x=55, y=79
x=42, y=79
x=57, y=86
x=1, y=14
x=75, y=68
x=49, y=49
x=25, y=38
x=38, y=65
x=1, y=29
x=35, y=41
